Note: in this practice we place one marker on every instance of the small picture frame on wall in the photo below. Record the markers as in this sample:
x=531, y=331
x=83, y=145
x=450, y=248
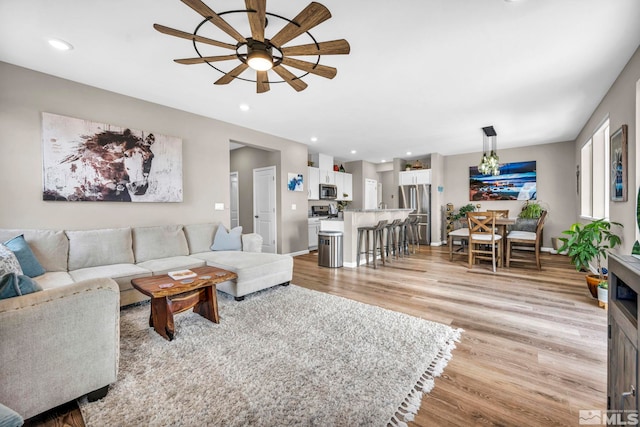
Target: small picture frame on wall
x=295, y=182
x=618, y=171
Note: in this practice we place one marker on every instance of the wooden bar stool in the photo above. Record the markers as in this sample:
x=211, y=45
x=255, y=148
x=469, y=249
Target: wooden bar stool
x=373, y=234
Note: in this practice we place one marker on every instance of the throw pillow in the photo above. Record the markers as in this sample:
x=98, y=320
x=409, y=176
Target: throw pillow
x=15, y=285
x=8, y=261
x=227, y=240
x=28, y=261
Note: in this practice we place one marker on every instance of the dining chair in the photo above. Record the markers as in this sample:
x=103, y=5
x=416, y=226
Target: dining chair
x=460, y=235
x=527, y=239
x=500, y=213
x=484, y=241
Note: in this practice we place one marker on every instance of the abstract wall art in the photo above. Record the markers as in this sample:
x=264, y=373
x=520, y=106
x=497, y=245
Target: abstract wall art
x=295, y=182
x=618, y=157
x=89, y=161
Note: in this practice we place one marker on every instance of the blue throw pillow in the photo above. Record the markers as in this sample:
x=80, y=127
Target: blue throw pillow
x=227, y=241
x=28, y=261
x=15, y=285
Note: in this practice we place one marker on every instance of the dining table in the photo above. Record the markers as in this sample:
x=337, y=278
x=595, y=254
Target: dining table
x=501, y=225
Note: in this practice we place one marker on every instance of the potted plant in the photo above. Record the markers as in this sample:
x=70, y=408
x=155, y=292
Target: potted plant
x=462, y=213
x=603, y=294
x=587, y=243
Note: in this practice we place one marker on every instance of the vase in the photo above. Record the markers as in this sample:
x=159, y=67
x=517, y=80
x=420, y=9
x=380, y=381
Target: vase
x=603, y=297
x=593, y=280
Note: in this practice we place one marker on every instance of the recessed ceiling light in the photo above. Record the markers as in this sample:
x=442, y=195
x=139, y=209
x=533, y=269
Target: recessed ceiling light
x=314, y=139
x=353, y=151
x=408, y=153
x=383, y=161
x=244, y=107
x=60, y=44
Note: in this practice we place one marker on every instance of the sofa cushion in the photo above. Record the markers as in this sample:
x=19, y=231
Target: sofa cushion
x=28, y=261
x=248, y=265
x=15, y=285
x=200, y=236
x=227, y=240
x=121, y=273
x=8, y=261
x=9, y=417
x=90, y=248
x=165, y=265
x=54, y=279
x=50, y=247
x=159, y=242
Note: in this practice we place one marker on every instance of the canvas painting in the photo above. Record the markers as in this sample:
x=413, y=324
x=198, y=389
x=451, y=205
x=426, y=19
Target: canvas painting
x=618, y=156
x=89, y=161
x=517, y=181
x=295, y=182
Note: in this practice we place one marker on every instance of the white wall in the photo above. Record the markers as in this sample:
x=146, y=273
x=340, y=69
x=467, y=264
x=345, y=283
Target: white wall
x=25, y=94
x=556, y=183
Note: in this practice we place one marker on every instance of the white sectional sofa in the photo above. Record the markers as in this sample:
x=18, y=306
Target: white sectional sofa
x=63, y=342
x=123, y=254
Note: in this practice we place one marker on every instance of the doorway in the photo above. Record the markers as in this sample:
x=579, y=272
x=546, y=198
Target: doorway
x=234, y=203
x=264, y=207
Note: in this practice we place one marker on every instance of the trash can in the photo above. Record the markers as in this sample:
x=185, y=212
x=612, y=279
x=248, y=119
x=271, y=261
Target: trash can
x=330, y=249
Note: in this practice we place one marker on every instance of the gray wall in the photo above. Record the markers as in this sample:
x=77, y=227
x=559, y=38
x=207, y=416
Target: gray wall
x=244, y=161
x=619, y=104
x=556, y=183
x=25, y=94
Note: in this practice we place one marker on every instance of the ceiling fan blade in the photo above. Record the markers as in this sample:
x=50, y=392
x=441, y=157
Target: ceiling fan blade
x=310, y=67
x=190, y=61
x=227, y=78
x=216, y=20
x=333, y=47
x=310, y=16
x=189, y=36
x=257, y=18
x=262, y=81
x=290, y=78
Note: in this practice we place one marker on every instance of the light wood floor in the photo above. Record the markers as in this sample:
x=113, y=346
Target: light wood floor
x=533, y=350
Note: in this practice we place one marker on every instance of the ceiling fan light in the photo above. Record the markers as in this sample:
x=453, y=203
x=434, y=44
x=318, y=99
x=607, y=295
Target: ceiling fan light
x=260, y=60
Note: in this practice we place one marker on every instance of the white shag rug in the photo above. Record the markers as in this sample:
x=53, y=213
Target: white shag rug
x=286, y=356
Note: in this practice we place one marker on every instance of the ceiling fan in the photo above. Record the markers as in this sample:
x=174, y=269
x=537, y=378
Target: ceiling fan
x=260, y=53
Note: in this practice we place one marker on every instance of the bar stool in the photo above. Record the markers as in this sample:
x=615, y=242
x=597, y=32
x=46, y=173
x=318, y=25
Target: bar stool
x=415, y=236
x=375, y=232
x=405, y=229
x=392, y=246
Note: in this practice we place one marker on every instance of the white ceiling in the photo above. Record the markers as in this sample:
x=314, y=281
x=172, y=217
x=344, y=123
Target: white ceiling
x=423, y=75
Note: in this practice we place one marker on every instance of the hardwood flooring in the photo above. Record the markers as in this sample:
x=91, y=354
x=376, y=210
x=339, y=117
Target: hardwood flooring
x=533, y=350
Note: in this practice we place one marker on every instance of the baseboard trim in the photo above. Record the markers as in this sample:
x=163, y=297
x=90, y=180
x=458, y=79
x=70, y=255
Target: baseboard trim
x=298, y=253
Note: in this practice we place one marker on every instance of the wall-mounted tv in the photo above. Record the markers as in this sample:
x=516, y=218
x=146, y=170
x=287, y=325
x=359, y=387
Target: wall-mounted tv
x=517, y=181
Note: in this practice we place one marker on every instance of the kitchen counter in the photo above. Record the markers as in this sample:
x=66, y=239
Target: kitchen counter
x=354, y=218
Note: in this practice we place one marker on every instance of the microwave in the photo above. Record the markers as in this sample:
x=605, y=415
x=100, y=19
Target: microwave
x=328, y=192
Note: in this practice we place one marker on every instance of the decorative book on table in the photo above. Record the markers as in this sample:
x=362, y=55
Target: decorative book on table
x=181, y=274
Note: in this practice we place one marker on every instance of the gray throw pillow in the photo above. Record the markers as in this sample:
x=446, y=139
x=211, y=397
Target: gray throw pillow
x=15, y=285
x=227, y=240
x=8, y=261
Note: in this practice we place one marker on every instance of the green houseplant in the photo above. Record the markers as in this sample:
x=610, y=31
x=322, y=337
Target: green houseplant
x=531, y=210
x=588, y=243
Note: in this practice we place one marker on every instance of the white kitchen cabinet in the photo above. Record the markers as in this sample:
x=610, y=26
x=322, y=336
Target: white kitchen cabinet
x=314, y=229
x=327, y=177
x=347, y=187
x=344, y=184
x=313, y=183
x=420, y=176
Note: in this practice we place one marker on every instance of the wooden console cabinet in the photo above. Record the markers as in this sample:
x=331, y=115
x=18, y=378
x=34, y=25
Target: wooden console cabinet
x=624, y=288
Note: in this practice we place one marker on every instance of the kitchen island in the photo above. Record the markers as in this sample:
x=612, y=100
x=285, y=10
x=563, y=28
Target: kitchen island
x=354, y=218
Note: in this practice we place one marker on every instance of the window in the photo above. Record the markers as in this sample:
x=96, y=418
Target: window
x=594, y=174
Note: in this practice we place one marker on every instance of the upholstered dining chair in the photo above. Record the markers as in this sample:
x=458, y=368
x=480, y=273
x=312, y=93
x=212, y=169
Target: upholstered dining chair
x=484, y=241
x=527, y=239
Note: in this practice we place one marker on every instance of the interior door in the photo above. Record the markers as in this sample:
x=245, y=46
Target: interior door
x=264, y=207
x=234, y=202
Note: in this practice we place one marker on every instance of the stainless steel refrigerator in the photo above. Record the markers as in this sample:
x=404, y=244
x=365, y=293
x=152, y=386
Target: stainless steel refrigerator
x=418, y=198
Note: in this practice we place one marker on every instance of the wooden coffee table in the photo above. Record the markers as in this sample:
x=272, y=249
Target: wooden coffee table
x=169, y=300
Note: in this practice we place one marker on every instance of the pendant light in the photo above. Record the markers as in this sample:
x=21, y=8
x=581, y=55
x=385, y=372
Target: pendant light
x=490, y=162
